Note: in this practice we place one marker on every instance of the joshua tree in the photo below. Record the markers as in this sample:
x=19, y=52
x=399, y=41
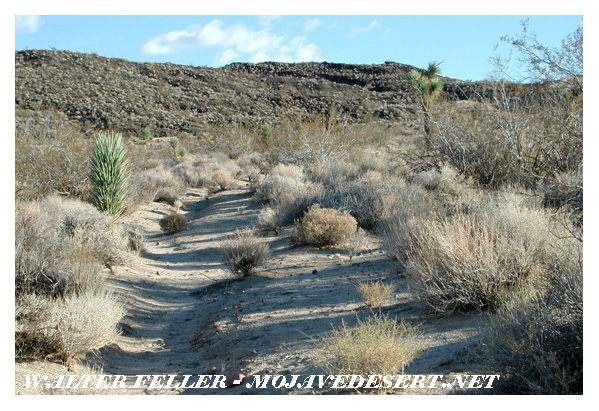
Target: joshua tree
x=427, y=87
x=109, y=174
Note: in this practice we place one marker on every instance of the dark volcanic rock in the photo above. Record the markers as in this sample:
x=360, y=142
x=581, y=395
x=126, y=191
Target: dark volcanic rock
x=118, y=94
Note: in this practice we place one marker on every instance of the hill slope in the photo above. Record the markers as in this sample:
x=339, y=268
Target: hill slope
x=114, y=93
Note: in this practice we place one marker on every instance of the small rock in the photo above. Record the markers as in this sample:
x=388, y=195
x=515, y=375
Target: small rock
x=314, y=271
x=233, y=380
x=211, y=371
x=157, y=243
x=157, y=273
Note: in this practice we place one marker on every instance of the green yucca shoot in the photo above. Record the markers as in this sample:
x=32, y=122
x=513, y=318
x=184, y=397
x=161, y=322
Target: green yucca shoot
x=109, y=174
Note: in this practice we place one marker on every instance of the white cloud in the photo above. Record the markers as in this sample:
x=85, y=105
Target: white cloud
x=356, y=31
x=227, y=56
x=27, y=24
x=234, y=40
x=313, y=24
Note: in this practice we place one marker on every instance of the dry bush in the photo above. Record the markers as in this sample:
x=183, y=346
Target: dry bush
x=156, y=184
x=355, y=243
x=86, y=227
x=60, y=244
x=323, y=226
x=470, y=262
x=66, y=327
x=222, y=180
x=375, y=292
x=51, y=156
x=377, y=346
x=282, y=181
x=173, y=223
x=244, y=252
x=318, y=139
x=537, y=341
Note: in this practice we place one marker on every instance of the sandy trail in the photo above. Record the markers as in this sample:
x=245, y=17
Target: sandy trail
x=187, y=313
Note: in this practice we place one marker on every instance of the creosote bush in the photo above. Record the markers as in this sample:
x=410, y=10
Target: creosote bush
x=173, y=222
x=244, y=252
x=323, y=227
x=377, y=346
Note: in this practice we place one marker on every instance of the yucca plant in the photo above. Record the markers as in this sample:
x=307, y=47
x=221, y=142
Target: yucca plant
x=109, y=174
x=427, y=87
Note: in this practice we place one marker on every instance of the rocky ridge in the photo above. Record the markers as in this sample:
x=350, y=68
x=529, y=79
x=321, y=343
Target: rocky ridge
x=109, y=93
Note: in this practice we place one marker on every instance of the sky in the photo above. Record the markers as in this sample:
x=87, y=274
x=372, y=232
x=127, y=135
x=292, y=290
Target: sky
x=464, y=43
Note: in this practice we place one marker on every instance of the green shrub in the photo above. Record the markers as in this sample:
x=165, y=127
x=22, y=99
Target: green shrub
x=173, y=223
x=109, y=174
x=323, y=226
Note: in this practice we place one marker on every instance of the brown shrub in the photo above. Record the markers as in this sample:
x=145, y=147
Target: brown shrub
x=323, y=226
x=173, y=223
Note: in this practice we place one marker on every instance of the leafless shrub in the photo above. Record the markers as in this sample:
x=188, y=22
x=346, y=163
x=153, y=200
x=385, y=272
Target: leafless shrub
x=156, y=184
x=375, y=292
x=355, y=243
x=323, y=226
x=244, y=252
x=51, y=157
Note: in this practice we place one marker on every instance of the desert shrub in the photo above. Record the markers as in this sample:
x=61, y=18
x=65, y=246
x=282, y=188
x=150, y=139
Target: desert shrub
x=369, y=200
x=375, y=292
x=244, y=252
x=173, y=223
x=159, y=184
x=222, y=180
x=537, y=341
x=61, y=244
x=355, y=242
x=87, y=228
x=51, y=157
x=109, y=174
x=66, y=327
x=482, y=259
x=377, y=346
x=323, y=226
x=281, y=180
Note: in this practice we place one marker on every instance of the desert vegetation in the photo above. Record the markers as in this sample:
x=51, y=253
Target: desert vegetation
x=478, y=214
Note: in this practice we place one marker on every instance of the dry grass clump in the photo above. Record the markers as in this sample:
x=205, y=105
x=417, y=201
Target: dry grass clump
x=323, y=226
x=375, y=292
x=67, y=327
x=244, y=252
x=173, y=223
x=377, y=346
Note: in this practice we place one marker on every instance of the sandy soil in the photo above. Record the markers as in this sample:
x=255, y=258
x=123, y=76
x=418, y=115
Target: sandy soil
x=188, y=314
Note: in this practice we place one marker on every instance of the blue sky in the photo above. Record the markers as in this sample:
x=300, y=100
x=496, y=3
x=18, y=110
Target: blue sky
x=463, y=42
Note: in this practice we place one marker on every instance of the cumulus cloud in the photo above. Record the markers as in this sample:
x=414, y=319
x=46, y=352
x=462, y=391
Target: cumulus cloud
x=27, y=24
x=267, y=20
x=356, y=31
x=235, y=41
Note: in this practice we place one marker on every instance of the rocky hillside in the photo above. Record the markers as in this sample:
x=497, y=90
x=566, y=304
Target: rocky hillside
x=112, y=93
